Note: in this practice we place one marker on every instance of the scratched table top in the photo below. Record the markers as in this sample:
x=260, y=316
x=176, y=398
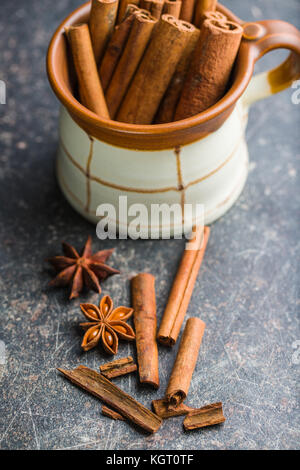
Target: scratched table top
x=247, y=291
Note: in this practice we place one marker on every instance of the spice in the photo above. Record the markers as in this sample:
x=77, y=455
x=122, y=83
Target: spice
x=202, y=7
x=185, y=363
x=144, y=305
x=172, y=7
x=206, y=416
x=82, y=270
x=155, y=71
x=163, y=409
x=187, y=10
x=137, y=42
x=91, y=93
x=113, y=396
x=211, y=66
x=123, y=8
x=182, y=290
x=106, y=323
x=214, y=15
x=101, y=23
x=155, y=7
x=117, y=368
x=112, y=414
x=168, y=105
x=115, y=48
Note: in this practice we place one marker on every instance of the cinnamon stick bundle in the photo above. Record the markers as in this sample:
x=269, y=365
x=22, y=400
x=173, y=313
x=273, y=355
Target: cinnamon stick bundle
x=201, y=7
x=168, y=105
x=187, y=10
x=155, y=7
x=119, y=367
x=163, y=409
x=185, y=363
x=210, y=68
x=127, y=406
x=206, y=416
x=123, y=7
x=155, y=71
x=172, y=7
x=137, y=42
x=101, y=23
x=115, y=48
x=144, y=305
x=91, y=92
x=181, y=292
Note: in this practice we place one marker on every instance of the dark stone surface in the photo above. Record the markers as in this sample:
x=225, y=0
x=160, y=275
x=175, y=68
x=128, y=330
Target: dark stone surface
x=247, y=292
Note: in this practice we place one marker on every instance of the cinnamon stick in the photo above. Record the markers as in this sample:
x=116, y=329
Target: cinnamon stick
x=127, y=406
x=123, y=6
x=201, y=7
x=155, y=7
x=113, y=369
x=101, y=23
x=112, y=414
x=187, y=10
x=210, y=68
x=163, y=409
x=206, y=416
x=115, y=48
x=90, y=87
x=181, y=292
x=137, y=42
x=185, y=363
x=172, y=7
x=144, y=305
x=214, y=15
x=155, y=71
x=168, y=105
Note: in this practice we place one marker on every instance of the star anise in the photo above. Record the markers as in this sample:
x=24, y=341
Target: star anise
x=81, y=270
x=106, y=323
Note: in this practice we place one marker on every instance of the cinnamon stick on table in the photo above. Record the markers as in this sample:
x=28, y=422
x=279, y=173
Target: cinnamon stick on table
x=101, y=23
x=187, y=10
x=113, y=396
x=144, y=305
x=155, y=7
x=90, y=87
x=119, y=367
x=112, y=414
x=169, y=102
x=211, y=66
x=201, y=7
x=155, y=71
x=163, y=409
x=206, y=416
x=137, y=42
x=172, y=7
x=181, y=291
x=115, y=48
x=185, y=363
x=123, y=6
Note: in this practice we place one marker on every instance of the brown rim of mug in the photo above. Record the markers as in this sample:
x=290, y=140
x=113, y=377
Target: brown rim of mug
x=273, y=34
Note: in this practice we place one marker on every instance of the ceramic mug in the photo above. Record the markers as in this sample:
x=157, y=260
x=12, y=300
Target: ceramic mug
x=199, y=160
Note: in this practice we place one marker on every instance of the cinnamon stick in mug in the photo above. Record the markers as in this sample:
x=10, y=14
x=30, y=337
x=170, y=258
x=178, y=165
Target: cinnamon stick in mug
x=201, y=7
x=123, y=6
x=181, y=292
x=168, y=105
x=144, y=305
x=185, y=362
x=210, y=68
x=187, y=10
x=86, y=70
x=155, y=71
x=137, y=42
x=115, y=48
x=172, y=7
x=101, y=23
x=155, y=7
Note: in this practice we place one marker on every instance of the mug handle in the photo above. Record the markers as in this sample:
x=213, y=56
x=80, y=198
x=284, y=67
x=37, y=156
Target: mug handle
x=262, y=37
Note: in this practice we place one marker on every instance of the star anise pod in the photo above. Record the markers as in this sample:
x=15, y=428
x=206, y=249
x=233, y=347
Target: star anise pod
x=106, y=323
x=79, y=271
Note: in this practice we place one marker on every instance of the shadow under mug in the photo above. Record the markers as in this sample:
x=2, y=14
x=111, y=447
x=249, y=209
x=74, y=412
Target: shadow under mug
x=199, y=160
